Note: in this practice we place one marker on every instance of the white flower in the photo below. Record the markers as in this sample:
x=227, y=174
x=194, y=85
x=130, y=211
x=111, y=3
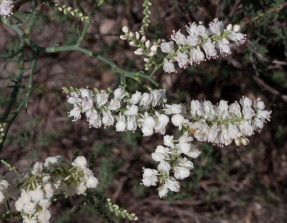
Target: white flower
x=216, y=27
x=167, y=47
x=146, y=100
x=248, y=112
x=135, y=98
x=125, y=29
x=74, y=98
x=92, y=182
x=168, y=141
x=132, y=110
x=51, y=162
x=153, y=50
x=87, y=104
x=178, y=38
x=222, y=109
x=246, y=102
x=121, y=123
x=160, y=154
x=6, y=7
x=259, y=104
x=193, y=153
x=202, y=31
x=102, y=98
x=75, y=113
x=115, y=104
x=139, y=51
x=239, y=38
x=81, y=189
x=157, y=97
x=48, y=190
x=195, y=108
x=185, y=138
x=178, y=120
x=161, y=123
x=182, y=59
x=234, y=110
x=209, y=49
x=150, y=177
x=163, y=166
x=196, y=56
x=173, y=109
x=162, y=191
x=209, y=112
x=186, y=163
x=192, y=40
x=94, y=118
x=108, y=119
x=168, y=66
x=184, y=147
x=223, y=46
x=147, y=123
x=131, y=123
x=29, y=208
x=80, y=161
x=192, y=29
x=172, y=184
x=19, y=204
x=3, y=190
x=85, y=93
x=36, y=195
x=147, y=131
x=37, y=168
x=181, y=172
x=44, y=216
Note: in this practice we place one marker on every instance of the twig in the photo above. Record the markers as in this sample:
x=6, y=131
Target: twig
x=269, y=88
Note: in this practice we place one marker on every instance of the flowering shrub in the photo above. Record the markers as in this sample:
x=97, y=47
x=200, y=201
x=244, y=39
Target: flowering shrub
x=29, y=196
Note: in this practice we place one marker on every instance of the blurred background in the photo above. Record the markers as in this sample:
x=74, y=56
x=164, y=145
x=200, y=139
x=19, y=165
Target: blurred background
x=243, y=184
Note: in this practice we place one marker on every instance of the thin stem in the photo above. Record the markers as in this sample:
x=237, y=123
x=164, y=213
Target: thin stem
x=87, y=25
x=35, y=47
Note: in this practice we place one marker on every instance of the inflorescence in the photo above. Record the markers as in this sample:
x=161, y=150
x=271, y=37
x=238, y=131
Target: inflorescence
x=201, y=44
x=219, y=124
x=34, y=191
x=6, y=8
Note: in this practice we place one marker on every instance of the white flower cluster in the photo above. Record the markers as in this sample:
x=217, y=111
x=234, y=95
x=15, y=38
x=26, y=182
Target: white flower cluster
x=201, y=43
x=219, y=124
x=146, y=111
x=3, y=190
x=53, y=177
x=222, y=124
x=6, y=7
x=144, y=46
x=172, y=158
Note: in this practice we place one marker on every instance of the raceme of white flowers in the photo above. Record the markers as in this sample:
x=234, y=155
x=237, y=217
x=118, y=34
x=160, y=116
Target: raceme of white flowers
x=201, y=44
x=126, y=111
x=219, y=124
x=33, y=191
x=173, y=157
x=222, y=124
x=144, y=46
x=6, y=7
